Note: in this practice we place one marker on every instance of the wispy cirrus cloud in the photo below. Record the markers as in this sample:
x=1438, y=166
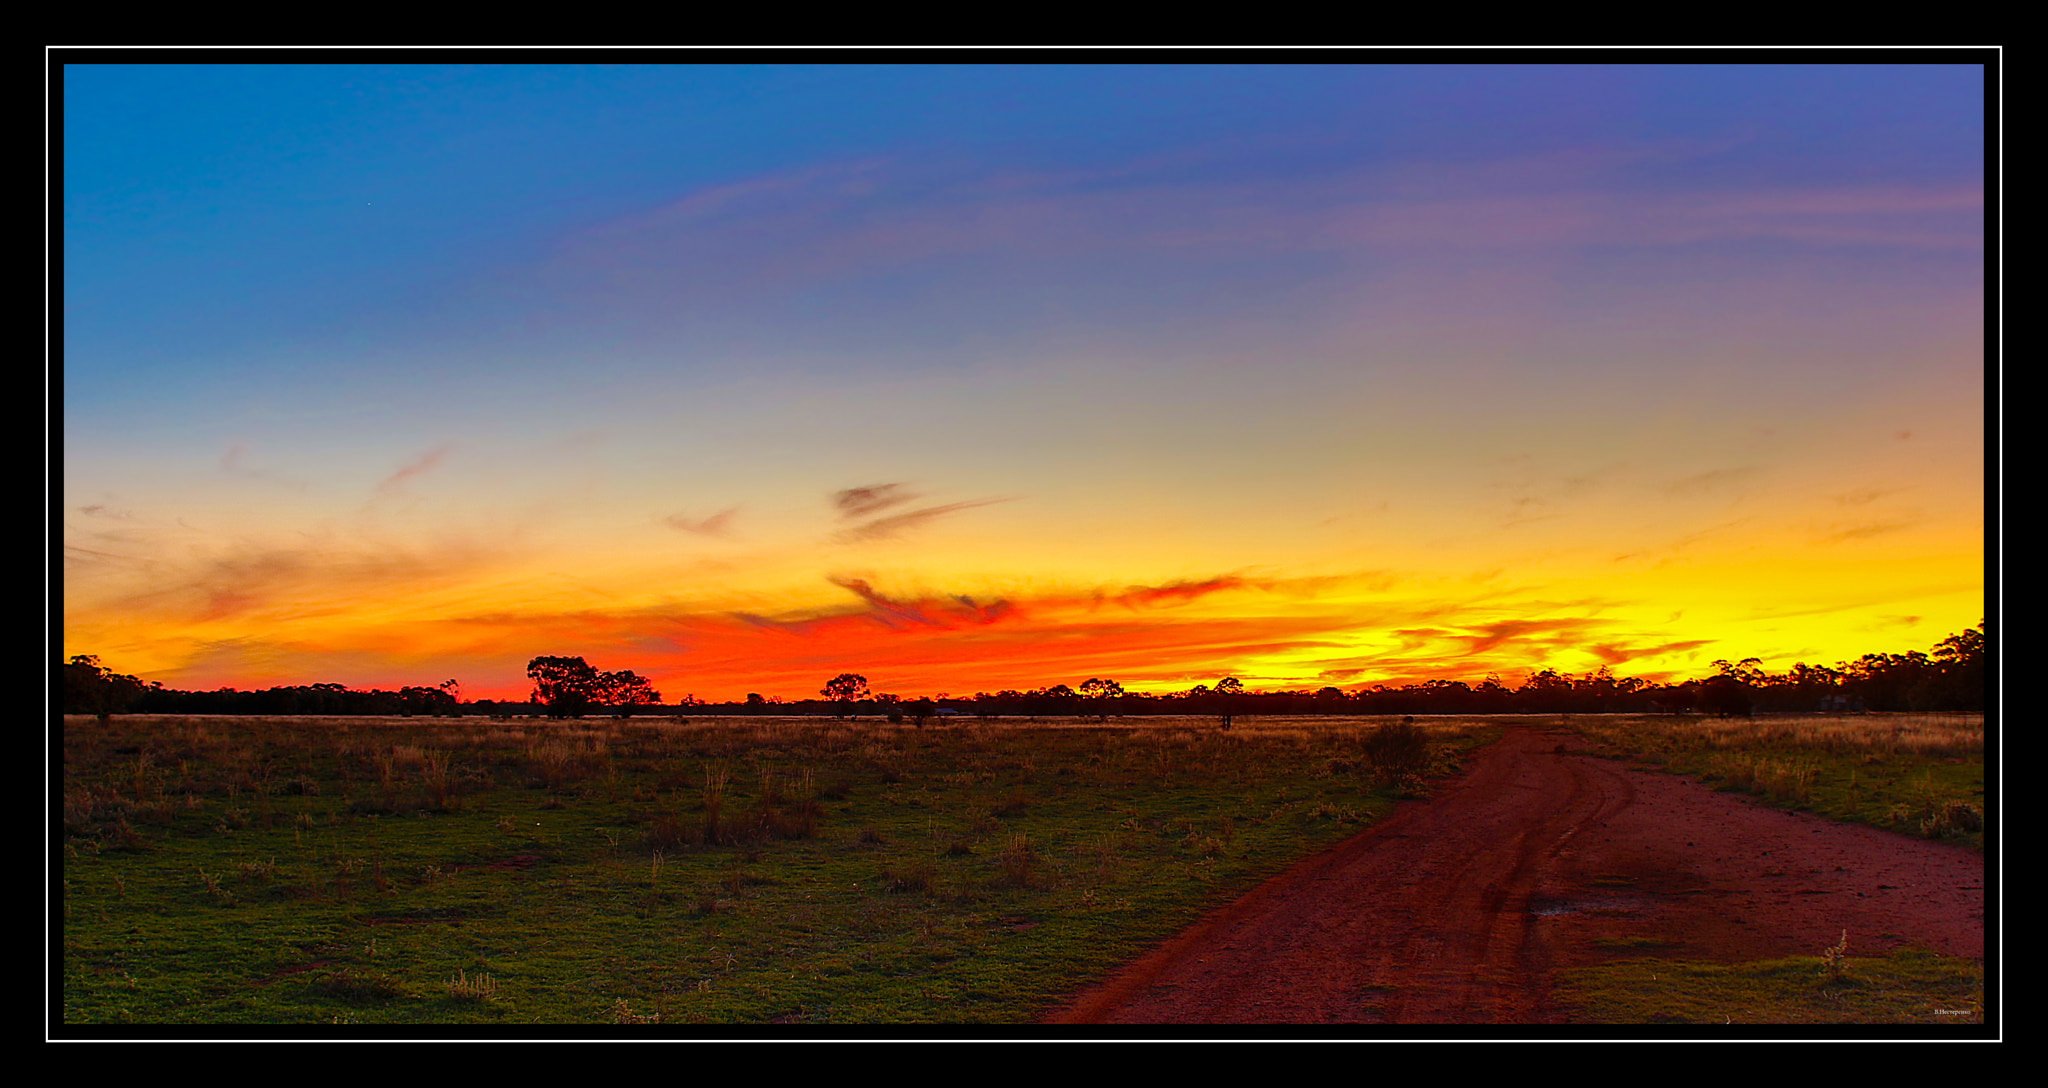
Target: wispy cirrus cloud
x=1594, y=212
x=1713, y=481
x=1459, y=642
x=943, y=612
x=1867, y=530
x=1864, y=495
x=860, y=504
x=330, y=576
x=896, y=525
x=418, y=466
x=948, y=611
x=718, y=524
x=1621, y=653
x=1547, y=631
x=1175, y=592
x=876, y=217
x=234, y=461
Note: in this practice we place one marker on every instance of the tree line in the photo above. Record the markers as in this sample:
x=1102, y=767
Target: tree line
x=1952, y=676
x=91, y=688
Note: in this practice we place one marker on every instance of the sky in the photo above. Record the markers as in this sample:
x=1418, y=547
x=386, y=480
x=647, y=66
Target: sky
x=974, y=377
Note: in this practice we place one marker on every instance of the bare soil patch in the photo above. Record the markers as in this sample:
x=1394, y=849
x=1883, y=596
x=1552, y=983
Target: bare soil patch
x=1459, y=909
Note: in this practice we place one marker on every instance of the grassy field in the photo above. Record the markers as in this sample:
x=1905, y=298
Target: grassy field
x=737, y=871
x=733, y=872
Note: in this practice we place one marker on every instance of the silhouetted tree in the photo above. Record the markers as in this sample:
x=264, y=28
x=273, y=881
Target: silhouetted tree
x=1907, y=681
x=845, y=689
x=624, y=690
x=566, y=686
x=1545, y=693
x=1223, y=699
x=1100, y=692
x=1097, y=688
x=91, y=689
x=1961, y=657
x=1809, y=687
x=425, y=700
x=1727, y=697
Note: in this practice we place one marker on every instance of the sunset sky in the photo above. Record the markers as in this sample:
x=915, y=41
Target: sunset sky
x=966, y=378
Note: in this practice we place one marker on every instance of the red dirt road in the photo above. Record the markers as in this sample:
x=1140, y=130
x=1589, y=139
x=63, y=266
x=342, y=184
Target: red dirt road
x=1457, y=909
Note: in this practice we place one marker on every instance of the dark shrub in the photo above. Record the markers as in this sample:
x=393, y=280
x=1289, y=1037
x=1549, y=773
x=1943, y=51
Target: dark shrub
x=1398, y=748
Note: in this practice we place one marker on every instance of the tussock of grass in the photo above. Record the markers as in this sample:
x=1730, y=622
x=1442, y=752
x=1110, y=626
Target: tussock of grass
x=478, y=989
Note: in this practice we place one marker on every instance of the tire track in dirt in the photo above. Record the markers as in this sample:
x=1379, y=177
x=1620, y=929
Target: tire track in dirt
x=1458, y=909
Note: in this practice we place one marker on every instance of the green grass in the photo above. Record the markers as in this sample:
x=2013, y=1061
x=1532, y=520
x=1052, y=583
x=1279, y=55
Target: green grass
x=1907, y=987
x=718, y=872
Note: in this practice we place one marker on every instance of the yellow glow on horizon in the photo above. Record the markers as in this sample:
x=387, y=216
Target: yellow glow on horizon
x=1653, y=575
